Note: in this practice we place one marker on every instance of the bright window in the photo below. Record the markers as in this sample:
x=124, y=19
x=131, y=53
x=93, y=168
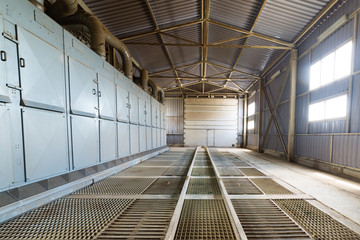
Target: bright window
x=251, y=109
x=328, y=109
x=251, y=125
x=332, y=67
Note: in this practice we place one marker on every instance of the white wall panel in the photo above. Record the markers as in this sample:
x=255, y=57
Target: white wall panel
x=210, y=122
x=107, y=140
x=142, y=138
x=134, y=108
x=6, y=145
x=123, y=139
x=122, y=96
x=134, y=139
x=45, y=143
x=107, y=98
x=149, y=144
x=85, y=141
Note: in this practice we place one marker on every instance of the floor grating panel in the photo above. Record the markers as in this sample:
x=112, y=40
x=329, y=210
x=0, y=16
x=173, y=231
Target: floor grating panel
x=202, y=172
x=64, y=219
x=239, y=186
x=166, y=186
x=269, y=186
x=251, y=172
x=176, y=171
x=204, y=219
x=314, y=221
x=262, y=219
x=141, y=171
x=203, y=186
x=117, y=186
x=143, y=219
x=229, y=171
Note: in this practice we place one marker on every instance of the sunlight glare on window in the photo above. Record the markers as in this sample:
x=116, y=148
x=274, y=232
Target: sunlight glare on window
x=343, y=61
x=251, y=125
x=327, y=69
x=317, y=111
x=315, y=75
x=251, y=109
x=336, y=107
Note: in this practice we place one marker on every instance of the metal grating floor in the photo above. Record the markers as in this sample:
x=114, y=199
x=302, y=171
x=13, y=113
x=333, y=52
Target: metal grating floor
x=204, y=219
x=239, y=186
x=175, y=171
x=167, y=186
x=118, y=186
x=251, y=172
x=262, y=219
x=229, y=171
x=203, y=186
x=156, y=163
x=142, y=171
x=314, y=221
x=201, y=163
x=64, y=219
x=143, y=219
x=269, y=186
x=203, y=172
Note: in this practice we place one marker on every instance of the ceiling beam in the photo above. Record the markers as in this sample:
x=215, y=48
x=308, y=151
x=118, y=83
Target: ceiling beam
x=162, y=30
x=200, y=78
x=230, y=39
x=170, y=69
x=207, y=45
x=163, y=42
x=179, y=38
x=235, y=70
x=206, y=15
x=240, y=30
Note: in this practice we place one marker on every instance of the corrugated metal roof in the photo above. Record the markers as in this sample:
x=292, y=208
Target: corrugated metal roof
x=279, y=19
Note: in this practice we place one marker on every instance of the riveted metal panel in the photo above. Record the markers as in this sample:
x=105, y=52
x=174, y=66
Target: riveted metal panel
x=142, y=138
x=107, y=98
x=107, y=140
x=85, y=141
x=122, y=103
x=6, y=145
x=134, y=139
x=123, y=139
x=83, y=89
x=42, y=72
x=45, y=143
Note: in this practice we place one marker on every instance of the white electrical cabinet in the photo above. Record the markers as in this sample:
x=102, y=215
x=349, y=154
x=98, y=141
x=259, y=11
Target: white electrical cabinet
x=108, y=140
x=122, y=104
x=134, y=139
x=142, y=138
x=123, y=139
x=45, y=143
x=134, y=108
x=148, y=109
x=149, y=144
x=85, y=141
x=107, y=98
x=142, y=109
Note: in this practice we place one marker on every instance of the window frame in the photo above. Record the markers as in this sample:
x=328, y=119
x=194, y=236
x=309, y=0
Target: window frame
x=324, y=101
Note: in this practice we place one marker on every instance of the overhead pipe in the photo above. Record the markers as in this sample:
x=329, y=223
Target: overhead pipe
x=123, y=50
x=95, y=29
x=39, y=4
x=161, y=95
x=154, y=88
x=144, y=79
x=62, y=8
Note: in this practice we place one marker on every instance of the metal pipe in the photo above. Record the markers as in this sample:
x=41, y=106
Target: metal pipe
x=291, y=134
x=161, y=95
x=62, y=8
x=95, y=29
x=154, y=88
x=123, y=50
x=144, y=79
x=39, y=4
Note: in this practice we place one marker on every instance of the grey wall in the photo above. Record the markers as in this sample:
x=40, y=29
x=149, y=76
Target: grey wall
x=174, y=121
x=337, y=141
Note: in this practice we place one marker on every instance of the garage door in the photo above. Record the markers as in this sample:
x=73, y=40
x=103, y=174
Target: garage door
x=210, y=122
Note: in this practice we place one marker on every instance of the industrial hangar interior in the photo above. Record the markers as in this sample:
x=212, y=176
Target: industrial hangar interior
x=174, y=119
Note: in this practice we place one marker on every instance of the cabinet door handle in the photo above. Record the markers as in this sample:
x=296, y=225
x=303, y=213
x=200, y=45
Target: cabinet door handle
x=99, y=93
x=94, y=91
x=3, y=56
x=22, y=62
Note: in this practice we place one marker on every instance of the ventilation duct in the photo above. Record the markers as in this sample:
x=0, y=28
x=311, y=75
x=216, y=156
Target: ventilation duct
x=144, y=79
x=161, y=95
x=95, y=29
x=39, y=4
x=154, y=89
x=62, y=8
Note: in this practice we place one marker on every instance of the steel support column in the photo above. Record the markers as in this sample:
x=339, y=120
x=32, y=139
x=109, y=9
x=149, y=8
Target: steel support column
x=245, y=119
x=293, y=76
x=260, y=119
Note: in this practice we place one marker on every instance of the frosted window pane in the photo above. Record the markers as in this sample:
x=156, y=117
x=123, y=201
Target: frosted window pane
x=315, y=76
x=343, y=61
x=317, y=111
x=251, y=125
x=336, y=107
x=251, y=109
x=327, y=69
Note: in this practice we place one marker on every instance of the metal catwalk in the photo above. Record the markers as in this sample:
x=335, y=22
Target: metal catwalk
x=183, y=194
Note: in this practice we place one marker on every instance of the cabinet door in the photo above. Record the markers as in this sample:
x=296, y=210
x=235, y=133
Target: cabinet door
x=107, y=98
x=142, y=111
x=122, y=104
x=134, y=139
x=85, y=140
x=42, y=72
x=4, y=92
x=123, y=139
x=148, y=138
x=134, y=108
x=107, y=140
x=153, y=113
x=45, y=143
x=142, y=136
x=83, y=89
x=6, y=146
x=148, y=111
